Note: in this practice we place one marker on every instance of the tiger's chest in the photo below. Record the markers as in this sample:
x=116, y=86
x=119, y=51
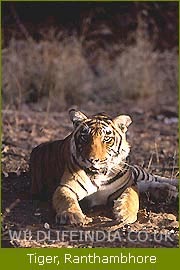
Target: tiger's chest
x=107, y=188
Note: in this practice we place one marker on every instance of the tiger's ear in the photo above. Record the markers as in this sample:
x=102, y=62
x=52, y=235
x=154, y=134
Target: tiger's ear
x=76, y=117
x=122, y=121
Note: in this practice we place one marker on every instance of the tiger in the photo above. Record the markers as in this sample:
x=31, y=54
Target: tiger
x=89, y=168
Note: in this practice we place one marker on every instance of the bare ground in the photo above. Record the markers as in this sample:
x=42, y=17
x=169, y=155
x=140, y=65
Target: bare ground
x=154, y=140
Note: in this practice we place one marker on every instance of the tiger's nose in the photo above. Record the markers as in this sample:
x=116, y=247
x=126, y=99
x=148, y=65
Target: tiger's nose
x=93, y=160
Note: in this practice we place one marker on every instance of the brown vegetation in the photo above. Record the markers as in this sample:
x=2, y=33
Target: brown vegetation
x=95, y=66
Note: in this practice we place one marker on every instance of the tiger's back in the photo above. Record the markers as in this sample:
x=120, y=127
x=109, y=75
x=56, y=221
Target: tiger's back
x=47, y=165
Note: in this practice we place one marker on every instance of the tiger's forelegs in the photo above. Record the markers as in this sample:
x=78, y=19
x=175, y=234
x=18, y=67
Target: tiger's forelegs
x=127, y=205
x=67, y=207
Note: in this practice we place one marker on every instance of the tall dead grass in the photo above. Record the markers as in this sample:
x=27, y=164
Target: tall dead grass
x=137, y=73
x=49, y=72
x=55, y=74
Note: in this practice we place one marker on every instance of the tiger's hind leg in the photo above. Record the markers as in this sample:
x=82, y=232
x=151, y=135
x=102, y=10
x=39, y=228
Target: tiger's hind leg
x=127, y=205
x=157, y=186
x=161, y=191
x=67, y=207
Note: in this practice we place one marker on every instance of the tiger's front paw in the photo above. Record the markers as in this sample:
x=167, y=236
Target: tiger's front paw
x=71, y=218
x=127, y=205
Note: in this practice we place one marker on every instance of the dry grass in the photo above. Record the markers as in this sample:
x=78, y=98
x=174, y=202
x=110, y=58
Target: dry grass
x=50, y=71
x=55, y=74
x=137, y=72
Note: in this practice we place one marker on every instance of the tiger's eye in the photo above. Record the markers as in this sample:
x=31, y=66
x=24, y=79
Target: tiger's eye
x=108, y=132
x=84, y=135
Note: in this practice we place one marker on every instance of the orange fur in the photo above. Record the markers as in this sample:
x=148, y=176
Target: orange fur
x=58, y=168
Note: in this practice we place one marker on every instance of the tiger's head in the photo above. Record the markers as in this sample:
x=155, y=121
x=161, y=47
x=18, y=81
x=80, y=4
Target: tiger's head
x=99, y=143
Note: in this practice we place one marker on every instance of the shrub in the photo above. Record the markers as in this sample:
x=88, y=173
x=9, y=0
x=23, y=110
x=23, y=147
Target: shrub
x=53, y=71
x=55, y=74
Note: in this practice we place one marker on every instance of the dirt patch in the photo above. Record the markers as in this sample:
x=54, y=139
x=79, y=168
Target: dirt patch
x=154, y=140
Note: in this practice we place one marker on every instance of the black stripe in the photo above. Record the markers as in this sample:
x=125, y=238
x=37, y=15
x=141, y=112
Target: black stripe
x=136, y=172
x=118, y=175
x=94, y=183
x=129, y=183
x=147, y=174
x=82, y=186
x=144, y=174
x=89, y=172
x=90, y=123
x=119, y=147
x=103, y=122
x=78, y=175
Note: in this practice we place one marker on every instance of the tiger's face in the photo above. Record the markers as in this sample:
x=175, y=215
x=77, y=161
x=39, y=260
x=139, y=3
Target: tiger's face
x=99, y=143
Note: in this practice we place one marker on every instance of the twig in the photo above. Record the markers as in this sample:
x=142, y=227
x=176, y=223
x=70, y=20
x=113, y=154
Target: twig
x=173, y=164
x=150, y=161
x=156, y=150
x=19, y=23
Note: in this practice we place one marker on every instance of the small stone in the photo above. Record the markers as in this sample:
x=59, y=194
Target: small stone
x=175, y=224
x=171, y=217
x=37, y=214
x=46, y=226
